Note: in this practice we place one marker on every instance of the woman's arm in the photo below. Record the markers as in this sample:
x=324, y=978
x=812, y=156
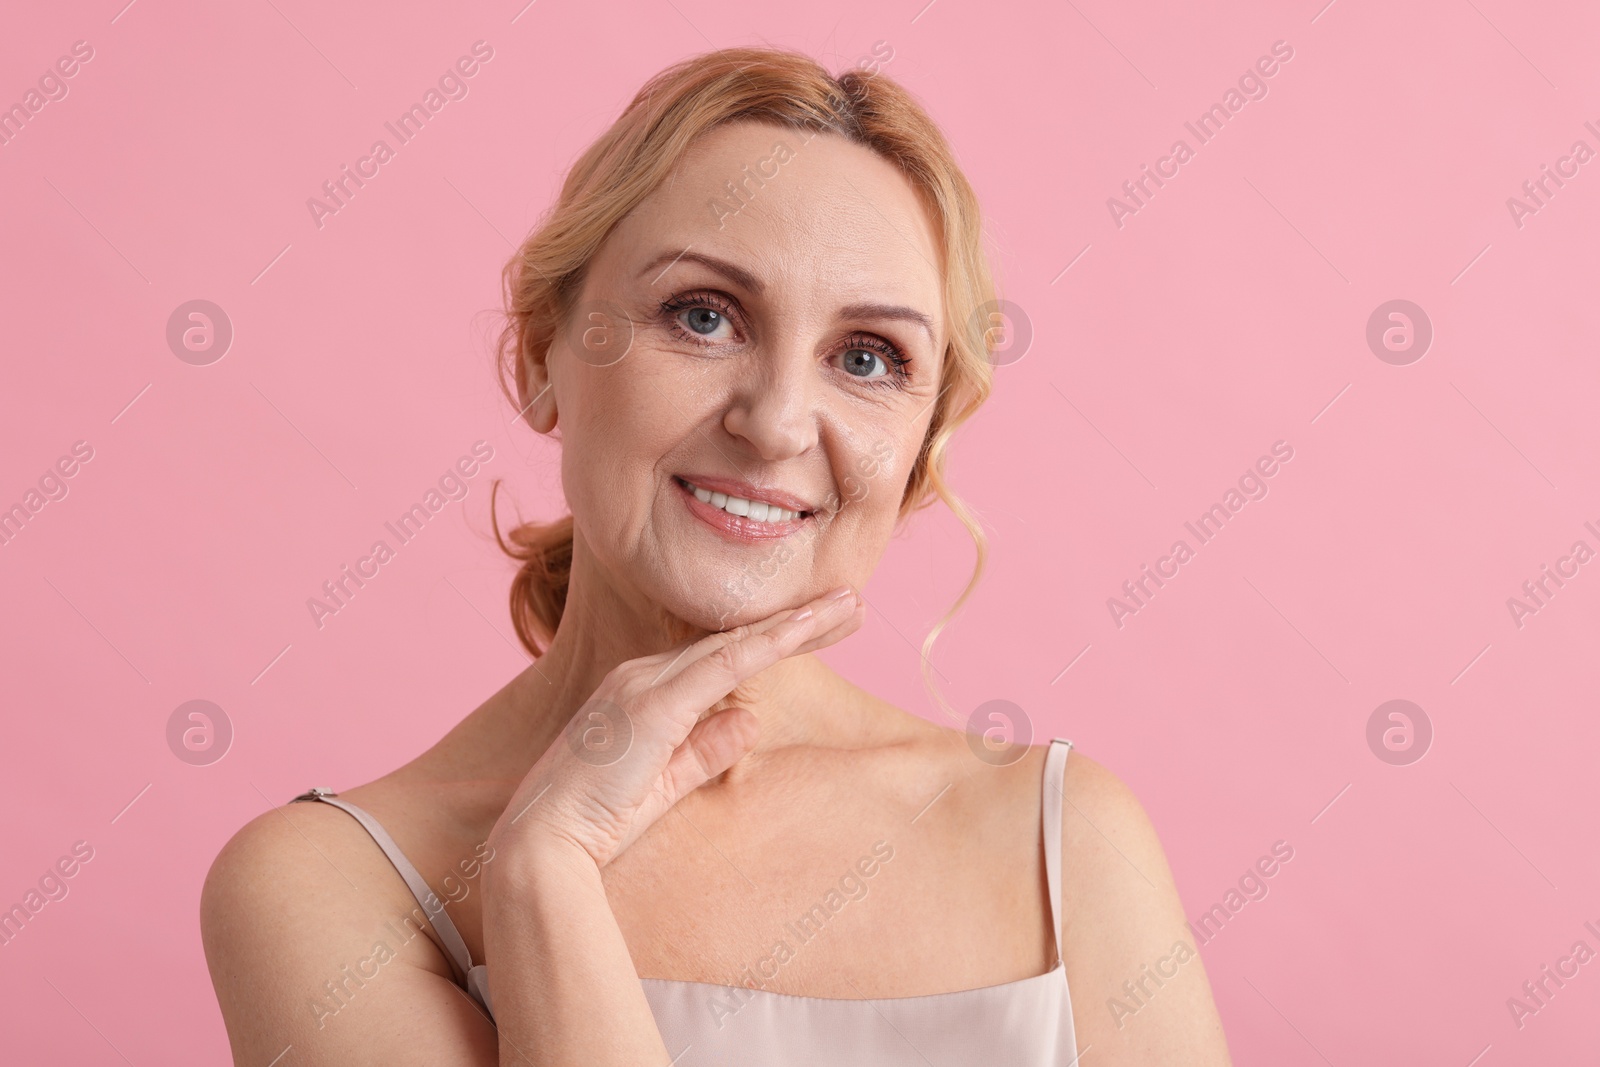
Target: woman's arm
x=317, y=955
x=1140, y=996
x=562, y=981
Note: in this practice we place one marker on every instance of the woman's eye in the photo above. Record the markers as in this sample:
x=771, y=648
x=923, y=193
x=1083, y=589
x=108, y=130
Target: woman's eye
x=859, y=361
x=703, y=321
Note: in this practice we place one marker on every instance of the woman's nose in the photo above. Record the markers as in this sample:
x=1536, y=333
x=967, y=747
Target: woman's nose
x=773, y=407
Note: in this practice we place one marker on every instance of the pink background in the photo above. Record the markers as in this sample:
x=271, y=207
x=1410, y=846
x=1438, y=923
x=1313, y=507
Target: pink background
x=1227, y=314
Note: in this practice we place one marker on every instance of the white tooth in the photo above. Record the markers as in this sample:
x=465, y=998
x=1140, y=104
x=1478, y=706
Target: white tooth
x=755, y=510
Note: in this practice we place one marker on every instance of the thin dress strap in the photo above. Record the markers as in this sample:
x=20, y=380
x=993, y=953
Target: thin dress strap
x=432, y=906
x=1055, y=771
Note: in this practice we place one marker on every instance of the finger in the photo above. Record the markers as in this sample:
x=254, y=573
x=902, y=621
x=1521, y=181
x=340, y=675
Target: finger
x=695, y=650
x=820, y=616
x=849, y=626
x=671, y=659
x=714, y=674
x=716, y=743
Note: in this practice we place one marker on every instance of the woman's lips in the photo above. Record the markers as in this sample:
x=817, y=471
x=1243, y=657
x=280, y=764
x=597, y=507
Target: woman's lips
x=733, y=488
x=737, y=527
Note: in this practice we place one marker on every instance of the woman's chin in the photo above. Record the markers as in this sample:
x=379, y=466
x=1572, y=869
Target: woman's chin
x=724, y=612
x=684, y=617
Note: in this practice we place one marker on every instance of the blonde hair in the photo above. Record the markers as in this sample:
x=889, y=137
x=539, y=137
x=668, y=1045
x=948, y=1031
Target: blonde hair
x=670, y=113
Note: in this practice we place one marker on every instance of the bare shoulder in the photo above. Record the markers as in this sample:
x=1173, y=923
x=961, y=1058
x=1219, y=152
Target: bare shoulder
x=1095, y=802
x=314, y=942
x=1139, y=990
x=1113, y=865
x=301, y=866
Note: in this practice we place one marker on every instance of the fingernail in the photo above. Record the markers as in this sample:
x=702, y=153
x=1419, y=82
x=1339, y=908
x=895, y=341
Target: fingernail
x=842, y=591
x=803, y=613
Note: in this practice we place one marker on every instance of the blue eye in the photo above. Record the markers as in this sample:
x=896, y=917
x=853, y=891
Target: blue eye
x=859, y=362
x=872, y=359
x=701, y=314
x=703, y=321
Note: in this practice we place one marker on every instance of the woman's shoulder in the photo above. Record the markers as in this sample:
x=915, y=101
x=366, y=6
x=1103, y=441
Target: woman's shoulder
x=305, y=845
x=1122, y=916
x=299, y=899
x=297, y=871
x=301, y=910
x=1108, y=844
x=1015, y=773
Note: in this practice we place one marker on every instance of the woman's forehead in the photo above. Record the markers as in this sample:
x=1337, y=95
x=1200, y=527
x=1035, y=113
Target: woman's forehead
x=789, y=208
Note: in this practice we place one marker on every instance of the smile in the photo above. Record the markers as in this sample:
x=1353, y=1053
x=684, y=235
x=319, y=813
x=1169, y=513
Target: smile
x=743, y=518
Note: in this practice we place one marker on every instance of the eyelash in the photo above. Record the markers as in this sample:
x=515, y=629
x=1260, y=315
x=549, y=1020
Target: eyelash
x=897, y=360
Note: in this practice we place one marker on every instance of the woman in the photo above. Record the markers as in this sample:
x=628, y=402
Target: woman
x=756, y=315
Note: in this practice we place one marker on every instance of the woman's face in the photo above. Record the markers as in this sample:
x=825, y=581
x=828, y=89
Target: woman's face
x=764, y=332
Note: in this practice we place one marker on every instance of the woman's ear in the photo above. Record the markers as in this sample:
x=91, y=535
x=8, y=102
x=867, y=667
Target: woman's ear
x=533, y=390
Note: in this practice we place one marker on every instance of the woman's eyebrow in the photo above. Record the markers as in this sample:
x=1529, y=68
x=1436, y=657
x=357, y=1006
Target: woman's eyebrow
x=737, y=274
x=889, y=311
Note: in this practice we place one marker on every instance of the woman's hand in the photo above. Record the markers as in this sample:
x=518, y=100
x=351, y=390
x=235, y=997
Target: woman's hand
x=638, y=745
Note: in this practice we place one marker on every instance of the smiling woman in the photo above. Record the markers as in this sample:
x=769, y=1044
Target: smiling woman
x=677, y=777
